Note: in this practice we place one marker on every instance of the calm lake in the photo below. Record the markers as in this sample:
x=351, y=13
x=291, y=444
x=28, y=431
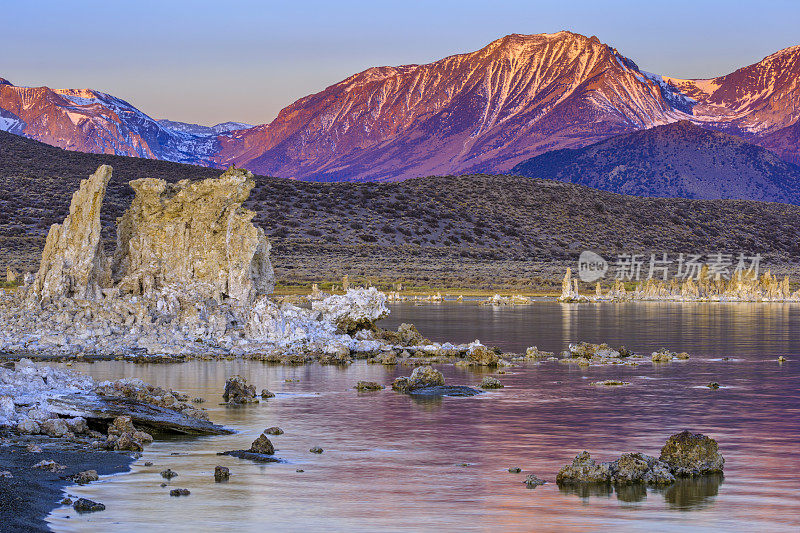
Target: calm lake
x=392, y=463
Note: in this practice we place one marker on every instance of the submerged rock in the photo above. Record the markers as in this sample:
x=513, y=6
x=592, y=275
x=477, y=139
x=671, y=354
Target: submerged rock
x=237, y=391
x=584, y=469
x=316, y=449
x=261, y=450
x=221, y=473
x=610, y=383
x=87, y=476
x=692, y=454
x=490, y=382
x=168, y=474
x=84, y=505
x=274, y=430
x=368, y=386
x=640, y=468
x=262, y=445
x=421, y=377
x=532, y=481
x=515, y=470
x=444, y=390
x=267, y=394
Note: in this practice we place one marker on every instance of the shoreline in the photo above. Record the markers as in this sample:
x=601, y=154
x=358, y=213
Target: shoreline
x=28, y=498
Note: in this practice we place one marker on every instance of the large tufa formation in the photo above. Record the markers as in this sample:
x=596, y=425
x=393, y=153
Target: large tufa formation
x=193, y=231
x=191, y=276
x=73, y=264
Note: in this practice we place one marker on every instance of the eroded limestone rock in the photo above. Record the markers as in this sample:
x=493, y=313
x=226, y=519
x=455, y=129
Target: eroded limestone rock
x=692, y=454
x=197, y=231
x=73, y=263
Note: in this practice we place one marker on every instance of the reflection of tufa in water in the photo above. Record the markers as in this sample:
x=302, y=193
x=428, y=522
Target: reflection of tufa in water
x=685, y=494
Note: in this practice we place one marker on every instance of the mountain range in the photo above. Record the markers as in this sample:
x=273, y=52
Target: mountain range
x=679, y=160
x=484, y=111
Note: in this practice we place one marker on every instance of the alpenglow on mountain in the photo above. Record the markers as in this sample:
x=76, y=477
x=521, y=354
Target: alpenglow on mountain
x=485, y=111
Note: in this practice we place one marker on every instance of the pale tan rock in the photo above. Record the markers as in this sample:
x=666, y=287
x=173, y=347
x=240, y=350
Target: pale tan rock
x=73, y=264
x=194, y=232
x=11, y=275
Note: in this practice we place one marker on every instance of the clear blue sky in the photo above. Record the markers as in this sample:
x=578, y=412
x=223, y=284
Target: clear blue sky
x=209, y=62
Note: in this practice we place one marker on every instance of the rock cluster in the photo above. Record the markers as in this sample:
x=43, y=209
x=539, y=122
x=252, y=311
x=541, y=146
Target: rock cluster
x=122, y=436
x=190, y=276
x=685, y=454
x=586, y=354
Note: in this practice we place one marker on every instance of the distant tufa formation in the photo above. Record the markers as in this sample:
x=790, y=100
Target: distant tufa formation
x=743, y=286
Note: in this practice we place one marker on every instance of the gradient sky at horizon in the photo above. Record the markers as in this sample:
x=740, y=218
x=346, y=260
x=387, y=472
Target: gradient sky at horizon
x=244, y=60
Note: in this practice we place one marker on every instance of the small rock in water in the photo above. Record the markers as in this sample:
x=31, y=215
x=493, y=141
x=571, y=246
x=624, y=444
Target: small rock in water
x=515, y=470
x=781, y=359
x=531, y=481
x=692, y=454
x=262, y=445
x=489, y=382
x=197, y=400
x=83, y=505
x=368, y=386
x=610, y=383
x=87, y=476
x=237, y=391
x=267, y=394
x=163, y=485
x=221, y=473
x=274, y=430
x=299, y=470
x=316, y=449
x=148, y=463
x=713, y=385
x=168, y=474
x=66, y=501
x=179, y=492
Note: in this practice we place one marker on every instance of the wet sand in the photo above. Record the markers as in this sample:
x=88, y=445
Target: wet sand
x=31, y=494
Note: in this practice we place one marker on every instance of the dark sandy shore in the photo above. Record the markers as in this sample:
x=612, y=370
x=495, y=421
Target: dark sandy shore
x=31, y=494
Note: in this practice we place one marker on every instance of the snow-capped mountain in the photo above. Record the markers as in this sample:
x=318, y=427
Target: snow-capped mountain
x=91, y=121
x=488, y=110
x=196, y=129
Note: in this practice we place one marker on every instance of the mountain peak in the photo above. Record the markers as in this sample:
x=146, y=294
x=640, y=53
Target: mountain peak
x=4, y=81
